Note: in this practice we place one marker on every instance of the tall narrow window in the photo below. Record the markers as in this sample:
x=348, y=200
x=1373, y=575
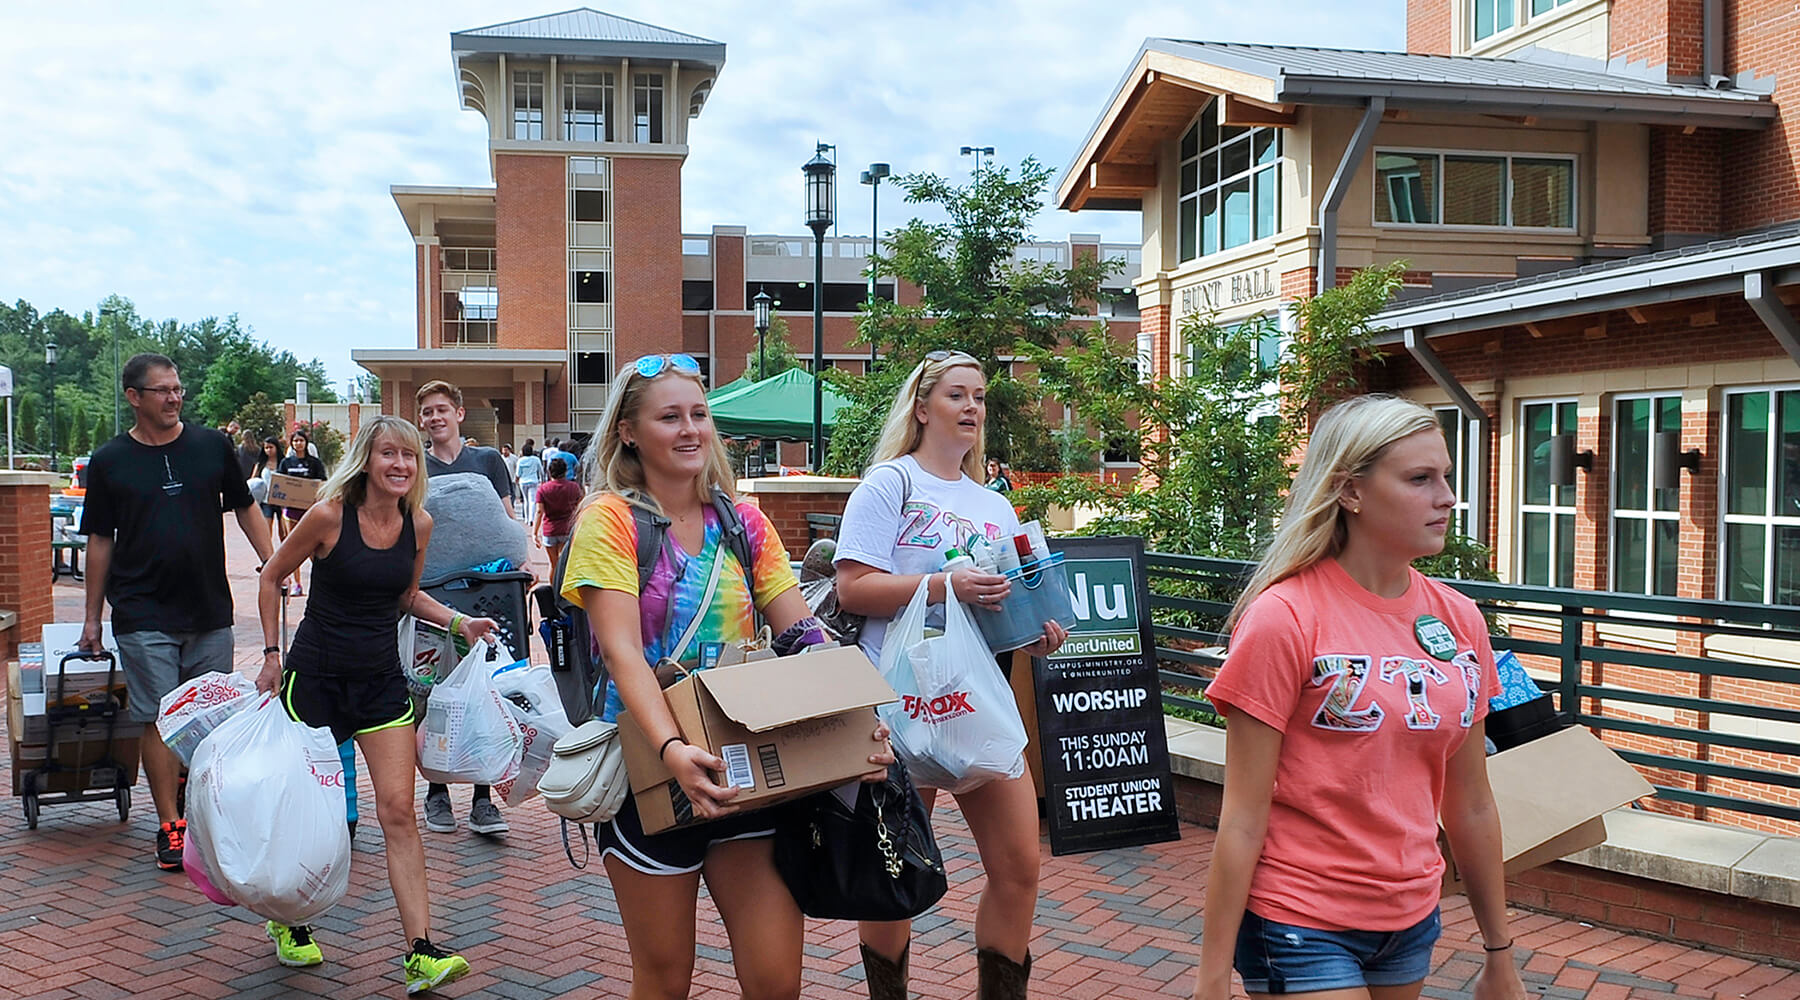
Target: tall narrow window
x=1546, y=539
x=528, y=104
x=1762, y=497
x=1646, y=521
x=1230, y=185
x=647, y=104
x=1460, y=440
x=587, y=97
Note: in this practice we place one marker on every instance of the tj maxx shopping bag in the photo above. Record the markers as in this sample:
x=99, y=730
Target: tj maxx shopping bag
x=1553, y=793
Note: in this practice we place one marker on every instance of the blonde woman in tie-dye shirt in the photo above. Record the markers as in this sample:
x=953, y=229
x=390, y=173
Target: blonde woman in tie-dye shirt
x=655, y=447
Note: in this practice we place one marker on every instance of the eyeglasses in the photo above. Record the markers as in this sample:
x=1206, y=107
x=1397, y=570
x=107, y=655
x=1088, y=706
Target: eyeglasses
x=947, y=355
x=173, y=392
x=652, y=365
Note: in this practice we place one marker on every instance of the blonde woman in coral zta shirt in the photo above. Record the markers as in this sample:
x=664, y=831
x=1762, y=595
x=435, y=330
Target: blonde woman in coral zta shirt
x=1355, y=693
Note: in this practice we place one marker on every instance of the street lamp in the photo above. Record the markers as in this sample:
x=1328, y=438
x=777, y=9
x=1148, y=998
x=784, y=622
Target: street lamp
x=50, y=359
x=979, y=152
x=821, y=186
x=762, y=303
x=118, y=390
x=872, y=177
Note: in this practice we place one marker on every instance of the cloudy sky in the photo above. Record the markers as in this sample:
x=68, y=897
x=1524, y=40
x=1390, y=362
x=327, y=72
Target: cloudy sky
x=210, y=158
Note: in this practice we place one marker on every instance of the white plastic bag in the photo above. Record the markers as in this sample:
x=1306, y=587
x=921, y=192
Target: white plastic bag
x=956, y=725
x=266, y=810
x=187, y=714
x=532, y=698
x=468, y=736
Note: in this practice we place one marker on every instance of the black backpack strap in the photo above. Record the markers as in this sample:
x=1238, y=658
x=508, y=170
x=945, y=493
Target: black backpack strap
x=736, y=536
x=652, y=535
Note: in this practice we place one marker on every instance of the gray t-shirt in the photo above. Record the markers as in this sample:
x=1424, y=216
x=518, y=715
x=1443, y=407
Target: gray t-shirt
x=474, y=458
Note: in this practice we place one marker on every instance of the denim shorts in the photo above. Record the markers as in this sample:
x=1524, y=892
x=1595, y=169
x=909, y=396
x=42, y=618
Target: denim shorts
x=1283, y=958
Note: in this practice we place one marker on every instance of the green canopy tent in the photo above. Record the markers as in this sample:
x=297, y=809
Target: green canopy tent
x=777, y=408
x=730, y=387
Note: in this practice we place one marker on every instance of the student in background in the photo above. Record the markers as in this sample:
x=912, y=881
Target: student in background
x=557, y=501
x=302, y=462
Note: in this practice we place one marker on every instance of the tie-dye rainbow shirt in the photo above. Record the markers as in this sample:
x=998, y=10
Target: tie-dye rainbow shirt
x=603, y=554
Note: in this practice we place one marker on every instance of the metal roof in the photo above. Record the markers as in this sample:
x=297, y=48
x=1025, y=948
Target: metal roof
x=1714, y=268
x=587, y=32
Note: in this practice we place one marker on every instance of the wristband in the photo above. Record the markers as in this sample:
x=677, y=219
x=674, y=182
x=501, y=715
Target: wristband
x=1494, y=951
x=271, y=649
x=456, y=618
x=665, y=745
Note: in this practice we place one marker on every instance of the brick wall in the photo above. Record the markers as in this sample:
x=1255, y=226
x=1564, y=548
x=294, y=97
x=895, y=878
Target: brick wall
x=1428, y=26
x=25, y=578
x=728, y=273
x=530, y=227
x=787, y=510
x=646, y=254
x=1763, y=36
x=1657, y=33
x=1685, y=186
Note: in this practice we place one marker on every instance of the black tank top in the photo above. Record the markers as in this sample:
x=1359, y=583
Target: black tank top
x=353, y=614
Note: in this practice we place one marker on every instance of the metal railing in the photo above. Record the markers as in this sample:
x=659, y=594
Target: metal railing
x=1702, y=695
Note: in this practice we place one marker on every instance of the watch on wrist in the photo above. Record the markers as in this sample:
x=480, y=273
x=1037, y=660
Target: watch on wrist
x=271, y=649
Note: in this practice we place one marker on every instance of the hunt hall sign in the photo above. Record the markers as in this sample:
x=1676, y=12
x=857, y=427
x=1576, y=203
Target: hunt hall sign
x=1234, y=290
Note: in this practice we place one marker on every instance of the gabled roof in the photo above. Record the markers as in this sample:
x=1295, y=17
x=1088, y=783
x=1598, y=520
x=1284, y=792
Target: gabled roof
x=588, y=33
x=1171, y=80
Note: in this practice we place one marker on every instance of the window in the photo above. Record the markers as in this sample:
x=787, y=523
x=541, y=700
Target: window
x=586, y=99
x=528, y=104
x=1488, y=18
x=1230, y=185
x=696, y=246
x=696, y=295
x=1546, y=539
x=647, y=105
x=593, y=367
x=470, y=305
x=1762, y=497
x=587, y=206
x=1460, y=439
x=1646, y=521
x=1474, y=189
x=587, y=286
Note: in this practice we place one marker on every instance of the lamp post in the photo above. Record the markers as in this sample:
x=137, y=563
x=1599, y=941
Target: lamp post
x=821, y=185
x=50, y=359
x=109, y=312
x=979, y=152
x=762, y=303
x=872, y=177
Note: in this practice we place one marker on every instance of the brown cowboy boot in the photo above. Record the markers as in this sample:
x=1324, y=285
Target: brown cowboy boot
x=999, y=977
x=886, y=978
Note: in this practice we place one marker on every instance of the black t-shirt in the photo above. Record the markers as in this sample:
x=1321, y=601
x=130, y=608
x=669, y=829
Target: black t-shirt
x=162, y=505
x=302, y=466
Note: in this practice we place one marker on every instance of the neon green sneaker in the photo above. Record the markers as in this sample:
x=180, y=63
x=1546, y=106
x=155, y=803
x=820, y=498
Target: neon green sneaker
x=294, y=946
x=428, y=966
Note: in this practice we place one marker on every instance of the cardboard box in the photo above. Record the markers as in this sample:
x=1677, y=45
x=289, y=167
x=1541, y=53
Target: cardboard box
x=784, y=727
x=293, y=491
x=22, y=727
x=1553, y=794
x=41, y=674
x=80, y=764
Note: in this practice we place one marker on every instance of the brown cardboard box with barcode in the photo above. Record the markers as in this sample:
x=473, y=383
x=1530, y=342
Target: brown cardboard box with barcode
x=784, y=727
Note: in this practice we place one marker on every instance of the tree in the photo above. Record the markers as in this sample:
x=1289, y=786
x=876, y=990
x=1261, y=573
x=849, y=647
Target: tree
x=327, y=440
x=1219, y=431
x=260, y=416
x=777, y=351
x=977, y=297
x=25, y=421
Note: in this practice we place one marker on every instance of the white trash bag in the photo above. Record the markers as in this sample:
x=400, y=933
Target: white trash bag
x=266, y=810
x=187, y=714
x=532, y=698
x=956, y=725
x=468, y=736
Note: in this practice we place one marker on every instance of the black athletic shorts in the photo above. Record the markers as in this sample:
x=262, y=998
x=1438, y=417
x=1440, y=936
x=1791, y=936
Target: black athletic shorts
x=681, y=850
x=349, y=705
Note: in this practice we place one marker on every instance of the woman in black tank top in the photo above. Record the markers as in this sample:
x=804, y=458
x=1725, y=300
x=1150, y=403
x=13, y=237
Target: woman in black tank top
x=366, y=537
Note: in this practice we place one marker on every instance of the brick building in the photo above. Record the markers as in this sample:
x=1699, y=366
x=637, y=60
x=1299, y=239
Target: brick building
x=1599, y=204
x=532, y=291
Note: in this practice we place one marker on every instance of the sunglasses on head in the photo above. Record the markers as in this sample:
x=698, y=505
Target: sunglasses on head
x=935, y=356
x=652, y=365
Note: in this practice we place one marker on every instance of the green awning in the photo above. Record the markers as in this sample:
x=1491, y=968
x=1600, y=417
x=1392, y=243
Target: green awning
x=777, y=408
x=729, y=388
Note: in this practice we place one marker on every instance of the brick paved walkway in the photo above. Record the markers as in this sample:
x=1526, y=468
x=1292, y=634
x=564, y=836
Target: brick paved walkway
x=86, y=914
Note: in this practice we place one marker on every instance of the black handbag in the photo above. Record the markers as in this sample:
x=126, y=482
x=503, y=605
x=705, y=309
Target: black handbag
x=876, y=862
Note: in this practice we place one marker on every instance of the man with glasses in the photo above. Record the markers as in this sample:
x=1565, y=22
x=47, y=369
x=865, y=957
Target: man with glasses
x=156, y=551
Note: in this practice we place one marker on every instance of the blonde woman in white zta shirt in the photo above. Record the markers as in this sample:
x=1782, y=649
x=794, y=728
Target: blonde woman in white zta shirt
x=921, y=496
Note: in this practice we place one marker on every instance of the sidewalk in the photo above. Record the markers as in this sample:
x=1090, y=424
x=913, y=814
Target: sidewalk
x=87, y=914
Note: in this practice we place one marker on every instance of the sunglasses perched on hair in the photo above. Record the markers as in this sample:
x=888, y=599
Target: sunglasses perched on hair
x=947, y=355
x=652, y=365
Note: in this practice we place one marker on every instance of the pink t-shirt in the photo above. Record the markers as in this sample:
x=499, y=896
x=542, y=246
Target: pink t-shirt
x=1369, y=721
